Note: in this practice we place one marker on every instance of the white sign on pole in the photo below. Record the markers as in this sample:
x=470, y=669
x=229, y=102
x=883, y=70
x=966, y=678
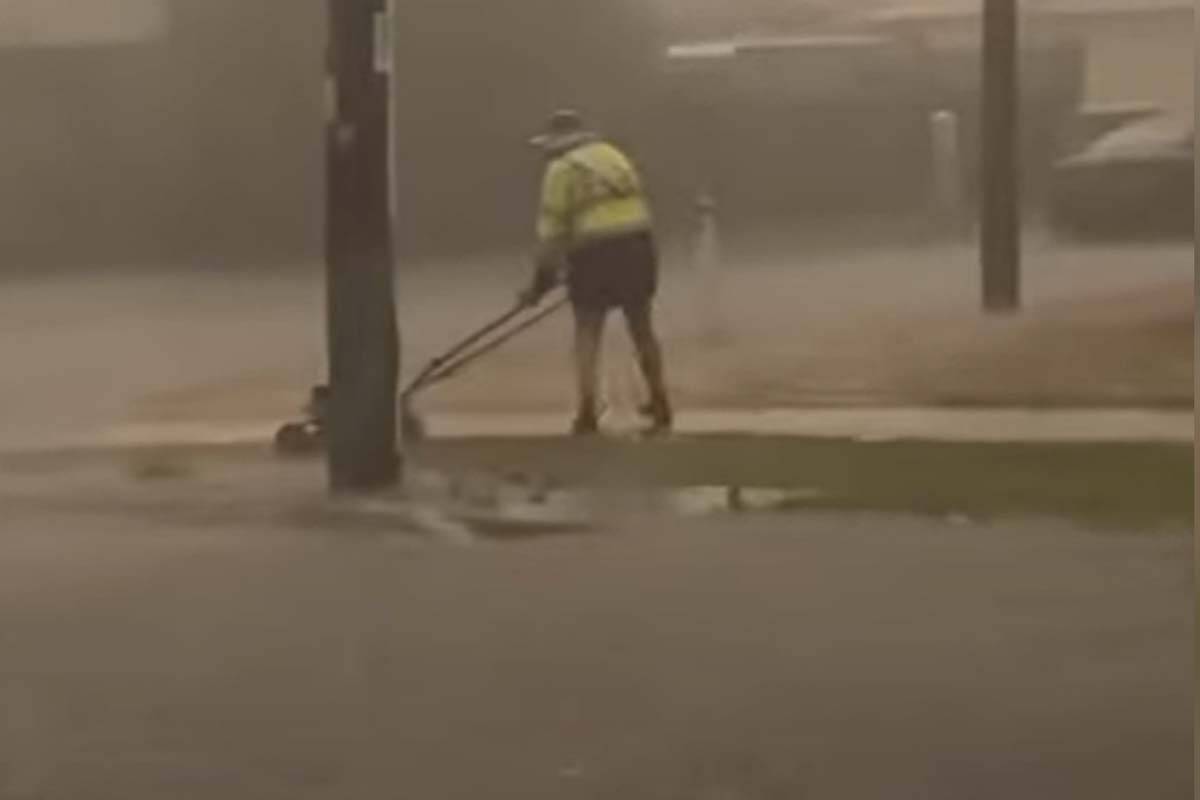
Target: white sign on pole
x=74, y=23
x=383, y=52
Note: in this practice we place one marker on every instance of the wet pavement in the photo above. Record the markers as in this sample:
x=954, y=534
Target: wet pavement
x=177, y=632
x=152, y=655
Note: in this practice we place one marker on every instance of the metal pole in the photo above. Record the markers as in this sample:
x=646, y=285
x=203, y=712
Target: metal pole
x=361, y=304
x=1000, y=206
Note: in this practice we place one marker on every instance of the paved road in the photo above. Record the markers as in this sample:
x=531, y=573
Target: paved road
x=768, y=659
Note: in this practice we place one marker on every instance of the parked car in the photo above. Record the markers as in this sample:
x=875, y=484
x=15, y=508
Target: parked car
x=1136, y=181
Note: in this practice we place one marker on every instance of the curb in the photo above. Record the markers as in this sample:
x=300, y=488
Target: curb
x=1001, y=425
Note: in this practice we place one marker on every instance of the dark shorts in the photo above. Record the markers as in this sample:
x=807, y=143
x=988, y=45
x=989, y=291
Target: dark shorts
x=621, y=272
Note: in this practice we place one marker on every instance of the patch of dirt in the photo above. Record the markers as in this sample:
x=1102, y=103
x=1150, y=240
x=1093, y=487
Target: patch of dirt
x=807, y=339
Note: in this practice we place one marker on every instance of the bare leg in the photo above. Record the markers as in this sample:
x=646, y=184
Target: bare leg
x=589, y=331
x=640, y=319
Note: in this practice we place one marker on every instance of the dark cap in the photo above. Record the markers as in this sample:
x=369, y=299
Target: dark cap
x=564, y=125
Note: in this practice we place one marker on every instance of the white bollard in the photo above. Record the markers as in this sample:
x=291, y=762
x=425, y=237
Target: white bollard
x=949, y=210
x=707, y=270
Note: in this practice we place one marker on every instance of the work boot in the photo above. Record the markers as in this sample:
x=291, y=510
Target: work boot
x=587, y=423
x=659, y=414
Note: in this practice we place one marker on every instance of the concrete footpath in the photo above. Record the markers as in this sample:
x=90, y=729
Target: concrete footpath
x=861, y=424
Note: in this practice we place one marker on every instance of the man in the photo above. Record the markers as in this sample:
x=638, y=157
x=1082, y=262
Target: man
x=595, y=231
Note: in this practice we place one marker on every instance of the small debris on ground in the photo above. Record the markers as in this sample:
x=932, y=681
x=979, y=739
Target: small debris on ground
x=158, y=466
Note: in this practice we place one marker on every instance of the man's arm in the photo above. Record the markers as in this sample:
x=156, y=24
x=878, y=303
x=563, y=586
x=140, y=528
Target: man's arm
x=553, y=232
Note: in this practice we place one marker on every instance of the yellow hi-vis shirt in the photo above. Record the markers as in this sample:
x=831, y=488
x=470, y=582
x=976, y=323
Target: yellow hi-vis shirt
x=591, y=193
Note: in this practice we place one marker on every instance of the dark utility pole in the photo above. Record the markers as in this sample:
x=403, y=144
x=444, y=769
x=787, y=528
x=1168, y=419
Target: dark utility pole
x=362, y=329
x=1001, y=203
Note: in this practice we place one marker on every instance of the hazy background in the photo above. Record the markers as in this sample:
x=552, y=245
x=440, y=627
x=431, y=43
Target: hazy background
x=199, y=628
x=190, y=131
x=183, y=140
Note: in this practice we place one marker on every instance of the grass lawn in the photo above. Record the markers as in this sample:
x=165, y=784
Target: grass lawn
x=1109, y=484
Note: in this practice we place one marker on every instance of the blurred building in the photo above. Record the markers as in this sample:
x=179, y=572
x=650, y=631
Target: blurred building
x=68, y=23
x=1136, y=52
x=803, y=131
x=190, y=131
x=833, y=120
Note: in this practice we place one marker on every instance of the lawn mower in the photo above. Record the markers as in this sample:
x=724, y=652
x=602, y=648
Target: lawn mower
x=308, y=436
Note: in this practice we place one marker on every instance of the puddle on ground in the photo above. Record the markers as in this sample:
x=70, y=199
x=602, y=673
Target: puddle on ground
x=485, y=505
x=511, y=507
